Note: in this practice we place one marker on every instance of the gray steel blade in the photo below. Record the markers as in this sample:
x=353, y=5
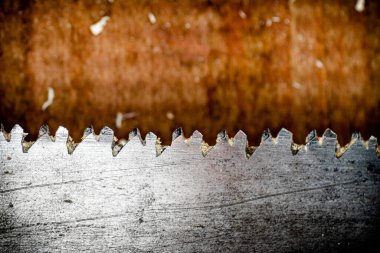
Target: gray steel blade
x=186, y=198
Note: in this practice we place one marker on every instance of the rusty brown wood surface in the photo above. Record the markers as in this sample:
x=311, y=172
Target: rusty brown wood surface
x=204, y=65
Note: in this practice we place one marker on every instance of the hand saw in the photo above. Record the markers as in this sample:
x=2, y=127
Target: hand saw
x=102, y=195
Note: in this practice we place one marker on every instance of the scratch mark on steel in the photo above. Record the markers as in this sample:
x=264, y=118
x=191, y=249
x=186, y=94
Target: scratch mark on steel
x=259, y=197
x=75, y=181
x=4, y=230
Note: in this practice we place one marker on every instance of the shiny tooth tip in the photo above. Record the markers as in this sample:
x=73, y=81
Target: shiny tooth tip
x=196, y=137
x=222, y=137
x=240, y=138
x=88, y=131
x=106, y=134
x=177, y=133
x=284, y=135
x=372, y=143
x=135, y=135
x=17, y=133
x=312, y=137
x=44, y=130
x=135, y=132
x=17, y=129
x=266, y=136
x=61, y=133
x=356, y=136
x=150, y=137
x=329, y=134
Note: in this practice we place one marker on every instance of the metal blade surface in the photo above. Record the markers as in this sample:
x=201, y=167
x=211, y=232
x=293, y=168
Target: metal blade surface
x=186, y=197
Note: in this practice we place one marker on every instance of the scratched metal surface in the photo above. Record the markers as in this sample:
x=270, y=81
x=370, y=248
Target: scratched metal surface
x=182, y=201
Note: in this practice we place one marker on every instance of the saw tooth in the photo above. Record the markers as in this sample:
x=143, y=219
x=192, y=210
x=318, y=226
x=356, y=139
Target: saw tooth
x=196, y=138
x=329, y=134
x=106, y=135
x=44, y=133
x=179, y=140
x=222, y=137
x=356, y=136
x=152, y=144
x=44, y=129
x=135, y=136
x=371, y=143
x=329, y=143
x=123, y=142
x=17, y=134
x=282, y=144
x=266, y=136
x=355, y=143
x=150, y=138
x=284, y=136
x=240, y=140
x=135, y=132
x=324, y=147
x=177, y=133
x=43, y=137
x=48, y=145
x=228, y=147
x=312, y=138
x=135, y=144
x=87, y=138
x=61, y=135
x=88, y=134
x=190, y=147
x=92, y=144
x=329, y=138
x=17, y=137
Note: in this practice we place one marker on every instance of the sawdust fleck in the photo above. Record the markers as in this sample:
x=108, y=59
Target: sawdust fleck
x=360, y=5
x=122, y=116
x=49, y=101
x=170, y=115
x=98, y=27
x=152, y=18
x=187, y=26
x=276, y=19
x=319, y=64
x=242, y=14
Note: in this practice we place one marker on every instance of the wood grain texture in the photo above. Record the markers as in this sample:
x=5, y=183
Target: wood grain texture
x=181, y=201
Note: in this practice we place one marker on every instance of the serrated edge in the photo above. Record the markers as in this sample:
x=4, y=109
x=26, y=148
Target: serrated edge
x=328, y=138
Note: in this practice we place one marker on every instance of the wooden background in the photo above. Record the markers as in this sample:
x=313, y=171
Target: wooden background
x=205, y=65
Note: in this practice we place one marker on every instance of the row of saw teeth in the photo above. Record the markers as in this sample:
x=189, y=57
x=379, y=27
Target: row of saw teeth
x=106, y=135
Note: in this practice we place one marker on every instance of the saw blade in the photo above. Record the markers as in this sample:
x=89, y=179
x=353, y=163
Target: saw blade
x=103, y=195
